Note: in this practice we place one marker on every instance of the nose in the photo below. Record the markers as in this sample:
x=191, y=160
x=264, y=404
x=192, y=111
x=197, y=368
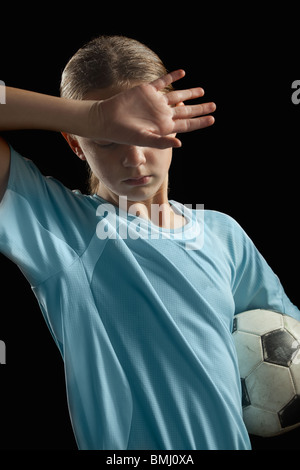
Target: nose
x=133, y=156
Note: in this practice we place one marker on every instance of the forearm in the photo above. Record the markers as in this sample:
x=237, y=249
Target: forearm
x=30, y=110
x=141, y=115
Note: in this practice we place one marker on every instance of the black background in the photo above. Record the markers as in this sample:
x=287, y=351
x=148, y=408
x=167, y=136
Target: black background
x=246, y=165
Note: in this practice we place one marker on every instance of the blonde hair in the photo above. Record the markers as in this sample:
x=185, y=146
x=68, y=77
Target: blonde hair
x=109, y=61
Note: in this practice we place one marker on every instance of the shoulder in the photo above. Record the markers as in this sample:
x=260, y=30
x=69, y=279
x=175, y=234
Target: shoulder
x=221, y=222
x=46, y=202
x=223, y=230
x=27, y=180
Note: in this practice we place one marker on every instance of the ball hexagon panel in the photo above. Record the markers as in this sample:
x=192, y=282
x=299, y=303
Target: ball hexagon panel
x=270, y=387
x=257, y=323
x=249, y=352
x=295, y=373
x=266, y=421
x=292, y=325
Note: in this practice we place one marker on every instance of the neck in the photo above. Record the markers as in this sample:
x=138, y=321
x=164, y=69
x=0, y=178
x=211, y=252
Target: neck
x=156, y=209
x=159, y=213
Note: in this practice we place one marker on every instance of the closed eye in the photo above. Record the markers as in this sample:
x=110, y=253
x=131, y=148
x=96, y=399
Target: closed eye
x=105, y=144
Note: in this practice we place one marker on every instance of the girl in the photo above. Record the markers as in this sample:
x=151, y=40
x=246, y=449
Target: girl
x=139, y=303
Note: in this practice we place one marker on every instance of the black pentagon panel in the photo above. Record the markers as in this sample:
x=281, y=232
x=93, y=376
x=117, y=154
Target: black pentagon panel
x=245, y=396
x=234, y=326
x=290, y=414
x=279, y=347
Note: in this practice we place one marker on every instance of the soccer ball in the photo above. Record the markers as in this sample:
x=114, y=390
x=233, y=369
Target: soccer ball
x=268, y=351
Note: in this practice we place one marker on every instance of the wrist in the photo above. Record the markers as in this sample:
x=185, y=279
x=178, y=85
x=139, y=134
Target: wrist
x=95, y=123
x=73, y=117
x=83, y=118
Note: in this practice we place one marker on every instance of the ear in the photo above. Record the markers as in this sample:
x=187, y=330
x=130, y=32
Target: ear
x=74, y=144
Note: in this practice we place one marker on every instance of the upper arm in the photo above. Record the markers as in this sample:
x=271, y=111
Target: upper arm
x=4, y=166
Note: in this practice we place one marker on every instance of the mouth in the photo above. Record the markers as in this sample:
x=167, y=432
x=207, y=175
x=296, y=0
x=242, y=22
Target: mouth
x=139, y=181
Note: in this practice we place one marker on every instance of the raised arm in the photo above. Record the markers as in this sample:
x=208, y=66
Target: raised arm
x=142, y=115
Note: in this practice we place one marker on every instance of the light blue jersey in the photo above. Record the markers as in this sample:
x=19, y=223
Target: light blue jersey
x=143, y=324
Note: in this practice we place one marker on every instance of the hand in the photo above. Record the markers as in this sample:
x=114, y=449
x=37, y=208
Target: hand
x=145, y=116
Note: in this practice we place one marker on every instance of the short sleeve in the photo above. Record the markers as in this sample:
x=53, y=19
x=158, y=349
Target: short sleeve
x=39, y=220
x=255, y=285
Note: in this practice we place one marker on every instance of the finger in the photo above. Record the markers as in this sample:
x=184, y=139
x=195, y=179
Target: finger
x=185, y=112
x=174, y=97
x=150, y=139
x=189, y=125
x=163, y=82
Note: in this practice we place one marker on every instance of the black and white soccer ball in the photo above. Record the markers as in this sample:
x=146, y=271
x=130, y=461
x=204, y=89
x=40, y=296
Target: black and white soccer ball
x=268, y=351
